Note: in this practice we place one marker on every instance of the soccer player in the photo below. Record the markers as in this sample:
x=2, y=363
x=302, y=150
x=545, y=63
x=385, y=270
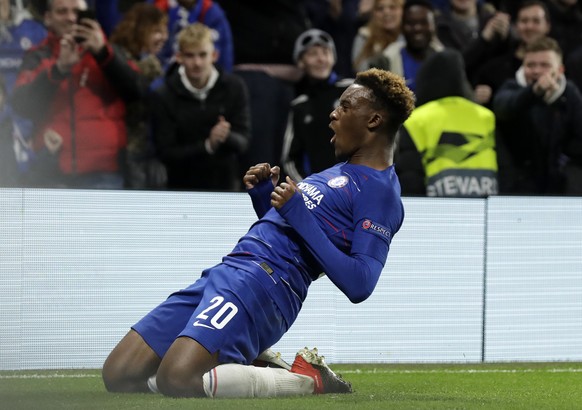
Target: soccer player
x=202, y=339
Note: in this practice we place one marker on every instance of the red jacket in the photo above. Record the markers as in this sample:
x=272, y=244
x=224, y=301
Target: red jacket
x=84, y=110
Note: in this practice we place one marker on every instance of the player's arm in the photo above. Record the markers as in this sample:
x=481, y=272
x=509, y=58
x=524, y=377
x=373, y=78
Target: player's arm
x=260, y=180
x=356, y=274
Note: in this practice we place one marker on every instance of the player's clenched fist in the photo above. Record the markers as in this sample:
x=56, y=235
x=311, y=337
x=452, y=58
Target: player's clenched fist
x=282, y=193
x=261, y=172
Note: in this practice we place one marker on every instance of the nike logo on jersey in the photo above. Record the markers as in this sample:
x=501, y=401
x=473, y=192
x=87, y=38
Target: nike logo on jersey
x=197, y=323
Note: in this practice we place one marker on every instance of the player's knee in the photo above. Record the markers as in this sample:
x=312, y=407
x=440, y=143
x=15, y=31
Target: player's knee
x=112, y=377
x=117, y=379
x=179, y=381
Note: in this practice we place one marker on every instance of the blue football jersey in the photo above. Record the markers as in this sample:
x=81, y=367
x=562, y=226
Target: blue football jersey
x=341, y=225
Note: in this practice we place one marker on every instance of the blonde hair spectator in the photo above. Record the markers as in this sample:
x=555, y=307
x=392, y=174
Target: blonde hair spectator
x=194, y=35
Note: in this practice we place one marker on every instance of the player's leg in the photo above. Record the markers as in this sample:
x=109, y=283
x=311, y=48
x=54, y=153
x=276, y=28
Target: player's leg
x=183, y=367
x=138, y=355
x=189, y=370
x=234, y=322
x=129, y=365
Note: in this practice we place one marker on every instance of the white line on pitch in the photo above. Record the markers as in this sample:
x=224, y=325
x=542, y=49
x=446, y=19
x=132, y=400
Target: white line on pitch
x=357, y=371
x=461, y=371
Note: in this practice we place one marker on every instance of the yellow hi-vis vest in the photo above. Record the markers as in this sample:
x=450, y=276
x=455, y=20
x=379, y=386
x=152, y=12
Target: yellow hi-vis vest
x=456, y=140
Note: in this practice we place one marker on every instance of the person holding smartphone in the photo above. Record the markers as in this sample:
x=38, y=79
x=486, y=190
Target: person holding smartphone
x=75, y=86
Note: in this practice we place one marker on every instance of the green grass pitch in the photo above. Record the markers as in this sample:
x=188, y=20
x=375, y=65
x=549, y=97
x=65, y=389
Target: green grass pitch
x=528, y=386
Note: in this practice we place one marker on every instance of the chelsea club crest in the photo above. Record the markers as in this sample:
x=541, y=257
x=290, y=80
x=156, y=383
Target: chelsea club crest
x=338, y=182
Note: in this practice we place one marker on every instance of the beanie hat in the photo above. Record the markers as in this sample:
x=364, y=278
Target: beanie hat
x=313, y=37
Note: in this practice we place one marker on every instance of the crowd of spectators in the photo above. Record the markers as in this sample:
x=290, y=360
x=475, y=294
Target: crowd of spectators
x=187, y=94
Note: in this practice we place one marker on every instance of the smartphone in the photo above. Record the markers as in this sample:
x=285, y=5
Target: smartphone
x=84, y=14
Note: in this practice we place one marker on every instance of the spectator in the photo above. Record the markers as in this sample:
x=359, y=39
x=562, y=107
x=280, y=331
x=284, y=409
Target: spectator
x=566, y=18
x=383, y=29
x=476, y=29
x=210, y=14
x=141, y=34
x=110, y=12
x=533, y=22
x=539, y=124
x=201, y=117
x=447, y=146
x=420, y=41
x=18, y=32
x=462, y=23
x=264, y=35
x=493, y=39
x=307, y=148
x=76, y=96
x=341, y=19
x=8, y=164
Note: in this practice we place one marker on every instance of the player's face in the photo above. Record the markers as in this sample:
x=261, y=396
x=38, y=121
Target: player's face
x=349, y=121
x=531, y=24
x=387, y=14
x=197, y=61
x=539, y=63
x=61, y=17
x=317, y=61
x=418, y=27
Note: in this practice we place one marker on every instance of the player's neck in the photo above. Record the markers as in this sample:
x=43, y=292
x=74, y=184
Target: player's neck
x=378, y=159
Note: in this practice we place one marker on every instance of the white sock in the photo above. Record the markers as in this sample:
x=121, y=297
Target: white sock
x=153, y=385
x=237, y=380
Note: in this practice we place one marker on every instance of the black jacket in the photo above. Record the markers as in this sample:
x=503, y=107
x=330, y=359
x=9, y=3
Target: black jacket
x=536, y=140
x=182, y=123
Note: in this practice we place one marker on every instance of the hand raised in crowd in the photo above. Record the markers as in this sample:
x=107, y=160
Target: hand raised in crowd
x=497, y=26
x=91, y=34
x=68, y=54
x=218, y=133
x=483, y=94
x=283, y=193
x=546, y=85
x=261, y=172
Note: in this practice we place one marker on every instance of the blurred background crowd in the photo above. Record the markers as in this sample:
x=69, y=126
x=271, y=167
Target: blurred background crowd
x=187, y=94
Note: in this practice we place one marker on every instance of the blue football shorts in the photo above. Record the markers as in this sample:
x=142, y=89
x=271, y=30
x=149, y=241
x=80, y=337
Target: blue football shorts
x=227, y=310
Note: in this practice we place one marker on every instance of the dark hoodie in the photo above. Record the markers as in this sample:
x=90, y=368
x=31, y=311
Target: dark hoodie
x=442, y=75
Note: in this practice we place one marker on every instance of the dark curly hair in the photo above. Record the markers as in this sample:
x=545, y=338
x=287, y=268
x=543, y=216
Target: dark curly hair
x=391, y=95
